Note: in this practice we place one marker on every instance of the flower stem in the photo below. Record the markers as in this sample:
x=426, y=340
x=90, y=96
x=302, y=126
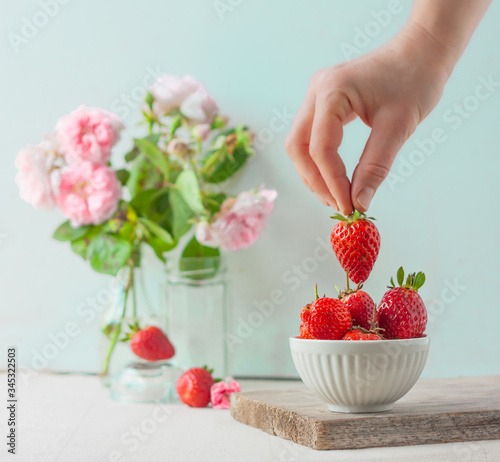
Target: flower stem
x=116, y=334
x=347, y=279
x=134, y=296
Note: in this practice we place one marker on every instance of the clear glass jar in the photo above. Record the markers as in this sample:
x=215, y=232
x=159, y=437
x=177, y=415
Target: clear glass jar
x=130, y=304
x=130, y=378
x=197, y=297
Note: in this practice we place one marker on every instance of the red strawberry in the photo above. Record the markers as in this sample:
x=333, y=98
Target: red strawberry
x=304, y=319
x=325, y=318
x=304, y=333
x=360, y=334
x=361, y=306
x=193, y=387
x=401, y=312
x=151, y=344
x=356, y=242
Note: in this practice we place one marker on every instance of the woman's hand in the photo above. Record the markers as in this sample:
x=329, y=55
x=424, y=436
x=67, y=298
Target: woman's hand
x=391, y=89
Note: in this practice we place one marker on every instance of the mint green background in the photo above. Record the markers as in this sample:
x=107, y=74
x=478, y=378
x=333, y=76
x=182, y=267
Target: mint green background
x=257, y=59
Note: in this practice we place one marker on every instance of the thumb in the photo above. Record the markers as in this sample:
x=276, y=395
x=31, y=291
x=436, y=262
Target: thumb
x=385, y=141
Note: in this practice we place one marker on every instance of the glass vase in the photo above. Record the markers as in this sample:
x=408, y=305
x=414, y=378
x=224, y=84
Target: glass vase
x=130, y=377
x=197, y=297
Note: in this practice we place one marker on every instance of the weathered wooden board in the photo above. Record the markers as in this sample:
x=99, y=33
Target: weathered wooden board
x=434, y=411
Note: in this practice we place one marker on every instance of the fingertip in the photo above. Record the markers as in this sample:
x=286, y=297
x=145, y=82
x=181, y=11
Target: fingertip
x=333, y=205
x=346, y=208
x=363, y=198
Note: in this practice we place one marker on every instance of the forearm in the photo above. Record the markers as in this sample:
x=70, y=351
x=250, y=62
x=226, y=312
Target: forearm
x=449, y=24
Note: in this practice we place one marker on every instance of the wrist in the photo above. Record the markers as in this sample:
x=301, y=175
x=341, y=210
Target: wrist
x=421, y=46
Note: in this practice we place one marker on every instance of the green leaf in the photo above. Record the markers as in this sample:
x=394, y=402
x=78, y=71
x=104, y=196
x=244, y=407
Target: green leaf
x=419, y=280
x=80, y=246
x=187, y=186
x=154, y=154
x=142, y=201
x=218, y=166
x=158, y=231
x=155, y=206
x=132, y=154
x=214, y=201
x=194, y=249
x=66, y=232
x=143, y=176
x=201, y=261
x=135, y=151
x=123, y=176
x=392, y=282
x=181, y=213
x=338, y=216
x=159, y=247
x=123, y=223
x=400, y=276
x=108, y=254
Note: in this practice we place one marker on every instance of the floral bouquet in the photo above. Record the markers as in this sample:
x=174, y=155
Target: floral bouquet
x=171, y=182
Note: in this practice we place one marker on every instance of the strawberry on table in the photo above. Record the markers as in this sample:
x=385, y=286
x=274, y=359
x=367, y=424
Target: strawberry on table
x=151, y=344
x=325, y=318
x=193, y=387
x=401, y=312
x=356, y=243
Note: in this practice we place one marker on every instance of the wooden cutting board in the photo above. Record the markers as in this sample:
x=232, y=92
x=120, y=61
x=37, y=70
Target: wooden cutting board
x=434, y=411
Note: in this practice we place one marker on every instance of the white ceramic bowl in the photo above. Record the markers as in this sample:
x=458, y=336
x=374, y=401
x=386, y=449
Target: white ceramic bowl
x=359, y=376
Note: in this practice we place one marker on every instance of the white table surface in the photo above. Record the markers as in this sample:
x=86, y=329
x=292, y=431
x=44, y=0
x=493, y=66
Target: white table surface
x=71, y=418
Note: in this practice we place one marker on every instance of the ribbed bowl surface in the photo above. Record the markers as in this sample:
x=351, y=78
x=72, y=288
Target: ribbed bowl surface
x=359, y=376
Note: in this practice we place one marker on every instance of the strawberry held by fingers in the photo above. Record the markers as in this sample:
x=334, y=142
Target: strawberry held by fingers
x=325, y=319
x=401, y=312
x=356, y=243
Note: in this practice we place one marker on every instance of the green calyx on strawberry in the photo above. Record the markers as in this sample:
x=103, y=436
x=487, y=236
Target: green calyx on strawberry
x=413, y=281
x=401, y=312
x=356, y=243
x=325, y=318
x=355, y=216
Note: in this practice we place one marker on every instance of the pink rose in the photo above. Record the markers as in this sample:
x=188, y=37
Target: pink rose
x=221, y=391
x=170, y=91
x=205, y=236
x=239, y=222
x=38, y=172
x=200, y=106
x=201, y=131
x=185, y=93
x=88, y=133
x=88, y=194
x=178, y=147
